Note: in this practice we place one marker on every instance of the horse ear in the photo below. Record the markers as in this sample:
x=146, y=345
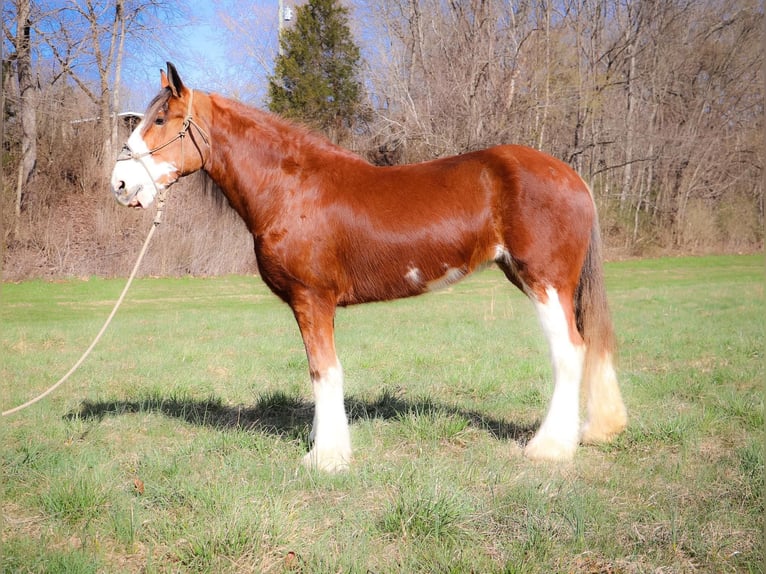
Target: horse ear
x=172, y=80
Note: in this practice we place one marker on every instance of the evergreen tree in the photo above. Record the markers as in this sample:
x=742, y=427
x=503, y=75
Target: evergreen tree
x=315, y=78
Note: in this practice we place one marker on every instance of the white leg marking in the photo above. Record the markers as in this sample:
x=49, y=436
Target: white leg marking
x=558, y=436
x=331, y=451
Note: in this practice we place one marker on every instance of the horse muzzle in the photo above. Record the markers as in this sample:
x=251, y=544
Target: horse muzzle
x=138, y=196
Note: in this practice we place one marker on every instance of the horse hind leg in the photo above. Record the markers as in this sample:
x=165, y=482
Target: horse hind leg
x=606, y=416
x=559, y=434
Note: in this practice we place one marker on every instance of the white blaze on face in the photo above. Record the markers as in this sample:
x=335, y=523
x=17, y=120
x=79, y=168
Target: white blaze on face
x=135, y=182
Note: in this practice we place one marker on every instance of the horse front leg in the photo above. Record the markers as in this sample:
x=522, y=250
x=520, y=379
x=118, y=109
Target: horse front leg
x=331, y=449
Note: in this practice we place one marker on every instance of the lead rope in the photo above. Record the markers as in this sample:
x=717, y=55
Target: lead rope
x=155, y=224
x=161, y=197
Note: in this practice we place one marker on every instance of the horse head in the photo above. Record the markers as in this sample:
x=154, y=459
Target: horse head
x=168, y=143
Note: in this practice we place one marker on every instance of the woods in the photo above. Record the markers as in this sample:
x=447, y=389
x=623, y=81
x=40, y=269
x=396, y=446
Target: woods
x=658, y=104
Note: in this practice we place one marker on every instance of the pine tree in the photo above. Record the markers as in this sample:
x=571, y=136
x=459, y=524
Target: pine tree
x=315, y=78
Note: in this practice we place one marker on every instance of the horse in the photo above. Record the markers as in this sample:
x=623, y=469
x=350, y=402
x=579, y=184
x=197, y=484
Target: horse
x=331, y=229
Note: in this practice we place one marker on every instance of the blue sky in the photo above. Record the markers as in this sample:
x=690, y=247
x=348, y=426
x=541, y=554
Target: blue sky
x=206, y=52
x=207, y=39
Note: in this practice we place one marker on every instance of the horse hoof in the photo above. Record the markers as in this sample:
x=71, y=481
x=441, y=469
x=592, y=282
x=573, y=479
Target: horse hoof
x=329, y=462
x=591, y=434
x=547, y=448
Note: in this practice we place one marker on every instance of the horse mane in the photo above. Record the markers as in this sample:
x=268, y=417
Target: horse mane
x=202, y=180
x=314, y=139
x=279, y=126
x=298, y=137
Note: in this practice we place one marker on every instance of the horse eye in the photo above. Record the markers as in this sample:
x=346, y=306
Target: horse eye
x=158, y=121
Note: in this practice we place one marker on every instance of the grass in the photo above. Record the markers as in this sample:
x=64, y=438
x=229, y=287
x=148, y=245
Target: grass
x=175, y=448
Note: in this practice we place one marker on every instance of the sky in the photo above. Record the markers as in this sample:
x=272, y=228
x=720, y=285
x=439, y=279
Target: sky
x=207, y=55
x=207, y=39
x=207, y=42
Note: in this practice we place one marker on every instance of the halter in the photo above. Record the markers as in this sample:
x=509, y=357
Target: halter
x=128, y=154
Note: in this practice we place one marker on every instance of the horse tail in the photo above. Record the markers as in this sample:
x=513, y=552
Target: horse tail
x=591, y=306
x=606, y=415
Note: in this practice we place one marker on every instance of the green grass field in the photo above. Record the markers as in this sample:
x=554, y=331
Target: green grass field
x=176, y=447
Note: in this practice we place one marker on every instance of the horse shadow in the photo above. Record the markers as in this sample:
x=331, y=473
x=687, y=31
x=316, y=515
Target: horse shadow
x=278, y=413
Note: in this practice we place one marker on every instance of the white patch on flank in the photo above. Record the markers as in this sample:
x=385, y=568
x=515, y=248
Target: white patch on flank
x=559, y=434
x=331, y=451
x=413, y=275
x=134, y=180
x=451, y=275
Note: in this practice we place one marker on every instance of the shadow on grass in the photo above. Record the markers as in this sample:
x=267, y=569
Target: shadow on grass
x=284, y=415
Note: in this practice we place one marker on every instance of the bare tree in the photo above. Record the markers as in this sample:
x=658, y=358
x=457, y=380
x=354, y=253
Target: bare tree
x=252, y=42
x=27, y=101
x=88, y=40
x=445, y=74
x=657, y=104
x=78, y=44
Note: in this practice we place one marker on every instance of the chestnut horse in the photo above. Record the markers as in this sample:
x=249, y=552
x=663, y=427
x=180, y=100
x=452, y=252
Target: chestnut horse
x=330, y=230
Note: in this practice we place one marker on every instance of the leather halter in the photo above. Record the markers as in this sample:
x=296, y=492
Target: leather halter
x=129, y=154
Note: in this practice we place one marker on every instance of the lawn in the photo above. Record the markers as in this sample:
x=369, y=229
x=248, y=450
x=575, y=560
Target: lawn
x=176, y=446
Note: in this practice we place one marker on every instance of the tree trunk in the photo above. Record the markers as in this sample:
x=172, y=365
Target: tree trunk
x=627, y=174
x=546, y=7
x=119, y=27
x=27, y=104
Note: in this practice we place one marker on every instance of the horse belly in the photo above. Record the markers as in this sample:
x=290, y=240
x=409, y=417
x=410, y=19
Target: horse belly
x=384, y=274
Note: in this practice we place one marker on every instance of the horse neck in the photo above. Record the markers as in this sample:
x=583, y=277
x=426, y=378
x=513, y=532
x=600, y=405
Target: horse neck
x=257, y=157
x=240, y=158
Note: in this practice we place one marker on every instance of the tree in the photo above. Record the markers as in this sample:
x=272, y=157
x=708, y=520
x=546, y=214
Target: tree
x=27, y=101
x=316, y=74
x=87, y=40
x=446, y=74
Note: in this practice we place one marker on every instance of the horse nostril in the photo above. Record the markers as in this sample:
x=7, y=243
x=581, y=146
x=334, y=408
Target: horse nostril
x=120, y=185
